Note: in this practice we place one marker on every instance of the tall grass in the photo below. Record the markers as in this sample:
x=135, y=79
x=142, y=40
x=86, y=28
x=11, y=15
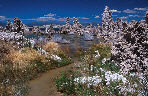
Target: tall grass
x=19, y=66
x=51, y=46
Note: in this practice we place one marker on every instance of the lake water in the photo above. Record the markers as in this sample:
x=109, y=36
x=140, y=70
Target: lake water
x=76, y=42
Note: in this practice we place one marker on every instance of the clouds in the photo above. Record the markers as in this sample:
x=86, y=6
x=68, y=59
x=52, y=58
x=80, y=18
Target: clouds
x=97, y=17
x=2, y=18
x=130, y=16
x=61, y=19
x=133, y=13
x=124, y=17
x=83, y=18
x=115, y=11
x=133, y=16
x=46, y=17
x=114, y=15
x=129, y=11
x=50, y=15
x=141, y=9
x=135, y=10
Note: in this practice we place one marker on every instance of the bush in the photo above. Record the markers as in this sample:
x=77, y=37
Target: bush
x=19, y=66
x=65, y=84
x=104, y=50
x=51, y=47
x=65, y=60
x=110, y=66
x=89, y=92
x=22, y=59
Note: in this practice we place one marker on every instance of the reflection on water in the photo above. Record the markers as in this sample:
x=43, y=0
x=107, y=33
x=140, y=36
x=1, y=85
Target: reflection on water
x=76, y=42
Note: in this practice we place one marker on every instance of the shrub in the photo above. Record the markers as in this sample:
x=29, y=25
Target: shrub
x=89, y=92
x=103, y=49
x=110, y=66
x=65, y=84
x=51, y=46
x=63, y=62
x=22, y=59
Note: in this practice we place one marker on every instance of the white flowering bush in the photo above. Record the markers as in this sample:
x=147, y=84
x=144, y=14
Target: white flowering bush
x=131, y=51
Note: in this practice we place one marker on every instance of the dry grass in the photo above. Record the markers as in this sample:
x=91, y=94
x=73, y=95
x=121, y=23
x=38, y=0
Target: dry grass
x=5, y=48
x=22, y=59
x=51, y=46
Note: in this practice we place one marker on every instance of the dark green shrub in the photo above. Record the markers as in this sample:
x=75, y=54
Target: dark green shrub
x=65, y=61
x=110, y=66
x=89, y=92
x=65, y=84
x=104, y=50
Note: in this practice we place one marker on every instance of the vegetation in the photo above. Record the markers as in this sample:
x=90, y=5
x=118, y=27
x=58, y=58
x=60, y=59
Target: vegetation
x=98, y=77
x=17, y=66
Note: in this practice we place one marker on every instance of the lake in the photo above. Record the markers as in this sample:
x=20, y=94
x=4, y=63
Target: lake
x=76, y=42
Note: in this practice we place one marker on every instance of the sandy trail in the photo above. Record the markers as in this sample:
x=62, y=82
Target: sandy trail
x=45, y=84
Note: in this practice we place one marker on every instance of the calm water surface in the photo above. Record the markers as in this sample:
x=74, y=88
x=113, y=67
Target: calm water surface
x=76, y=42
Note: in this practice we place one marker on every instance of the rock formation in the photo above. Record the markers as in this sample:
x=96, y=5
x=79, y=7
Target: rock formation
x=107, y=22
x=146, y=17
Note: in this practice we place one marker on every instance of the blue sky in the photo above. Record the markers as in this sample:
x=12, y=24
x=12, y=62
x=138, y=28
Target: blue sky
x=57, y=10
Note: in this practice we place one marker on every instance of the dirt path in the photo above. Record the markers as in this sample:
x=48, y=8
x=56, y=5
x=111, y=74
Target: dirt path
x=45, y=84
